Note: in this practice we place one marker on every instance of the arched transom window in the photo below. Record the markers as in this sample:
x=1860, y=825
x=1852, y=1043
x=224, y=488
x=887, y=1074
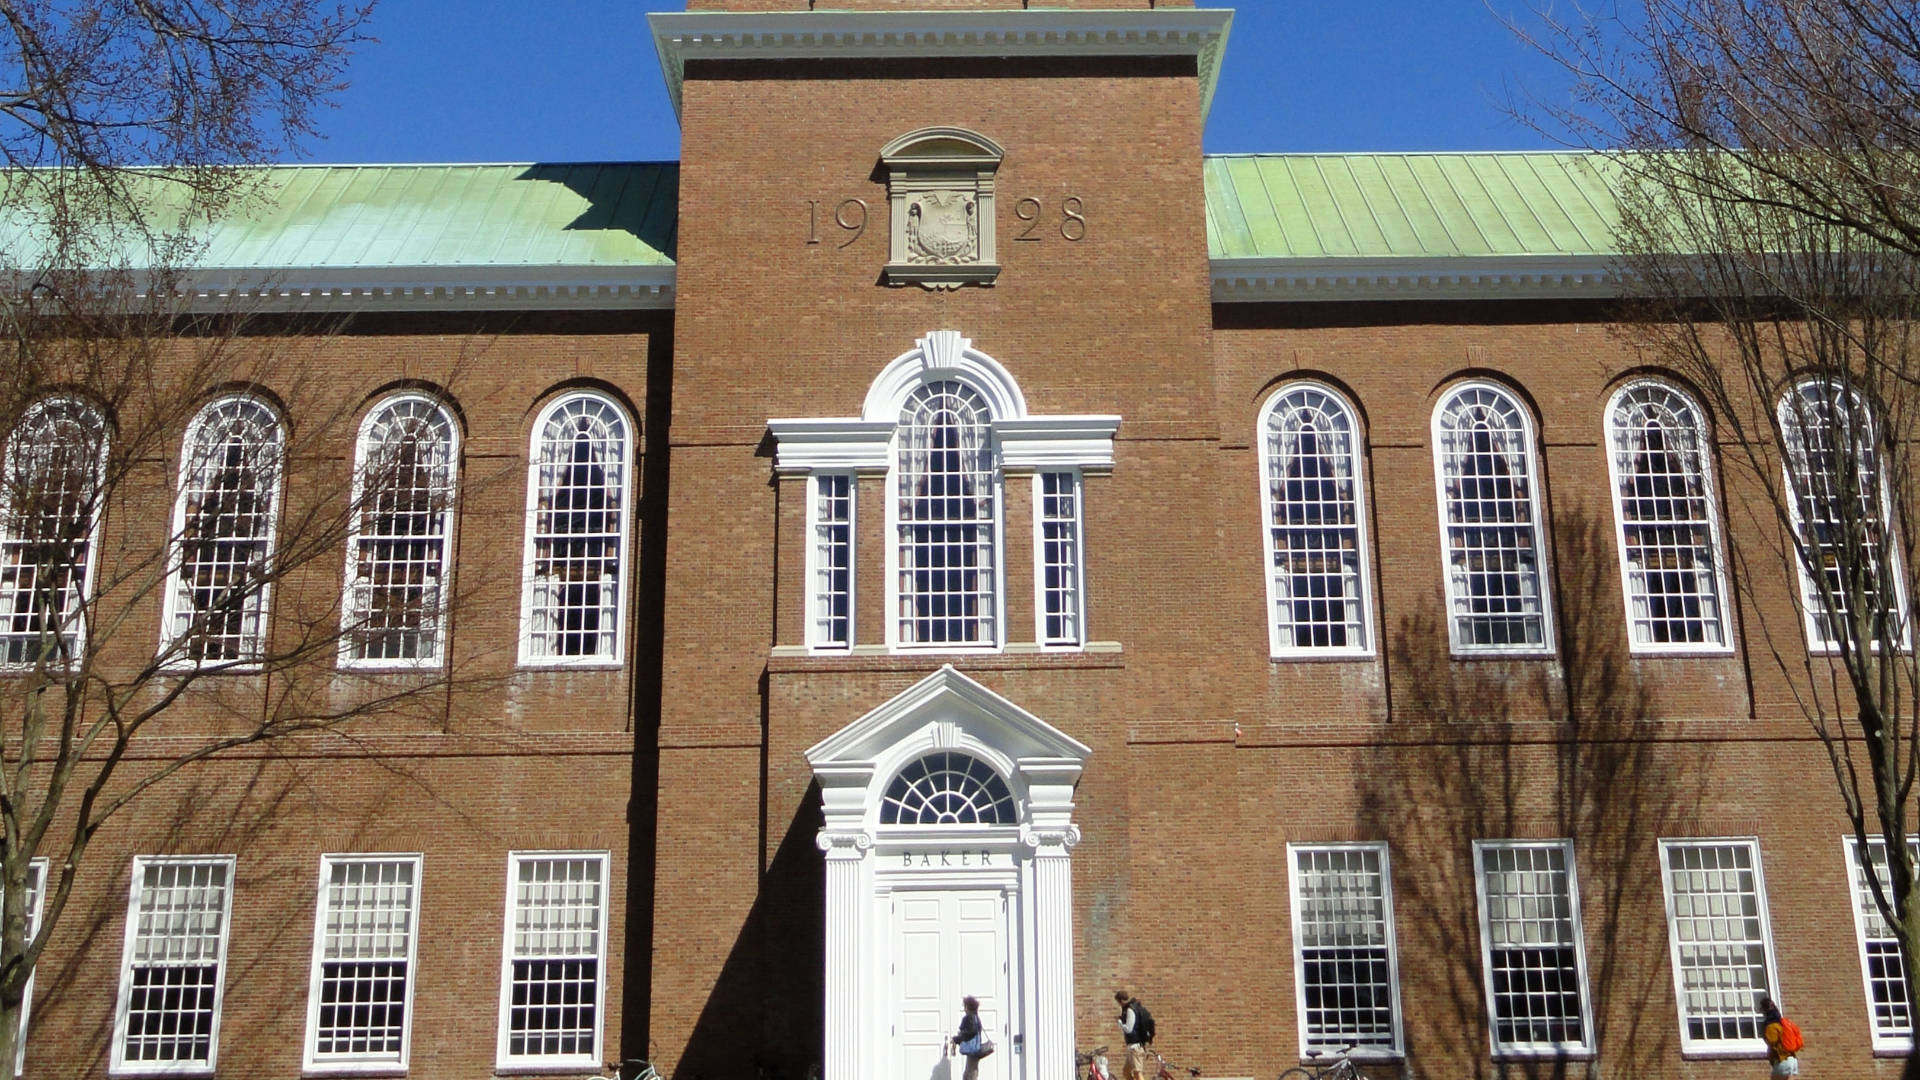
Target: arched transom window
x=231, y=467
x=1316, y=554
x=946, y=505
x=403, y=517
x=1490, y=522
x=577, y=491
x=948, y=788
x=1668, y=530
x=49, y=523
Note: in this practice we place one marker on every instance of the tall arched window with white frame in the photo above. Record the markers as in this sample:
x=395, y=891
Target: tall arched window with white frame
x=1666, y=520
x=231, y=467
x=405, y=465
x=946, y=510
x=1840, y=503
x=579, y=482
x=1492, y=541
x=50, y=510
x=1316, y=530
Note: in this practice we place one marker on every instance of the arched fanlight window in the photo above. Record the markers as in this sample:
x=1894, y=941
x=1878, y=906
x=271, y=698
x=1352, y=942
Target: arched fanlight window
x=1668, y=529
x=946, y=485
x=49, y=529
x=231, y=466
x=1492, y=541
x=578, y=486
x=396, y=589
x=947, y=788
x=1840, y=508
x=1315, y=537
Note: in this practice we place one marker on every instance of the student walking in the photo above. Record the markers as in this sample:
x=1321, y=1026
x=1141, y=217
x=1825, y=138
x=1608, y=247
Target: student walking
x=1136, y=1028
x=970, y=1040
x=1783, y=1039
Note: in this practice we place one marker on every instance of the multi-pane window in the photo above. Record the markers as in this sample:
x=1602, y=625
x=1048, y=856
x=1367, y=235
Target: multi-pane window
x=1840, y=503
x=1889, y=1012
x=1345, y=970
x=1530, y=946
x=396, y=594
x=946, y=510
x=49, y=525
x=358, y=1007
x=174, y=966
x=1668, y=531
x=1490, y=523
x=946, y=788
x=1057, y=547
x=231, y=466
x=1315, y=542
x=1722, y=954
x=577, y=492
x=36, y=897
x=552, y=982
x=830, y=561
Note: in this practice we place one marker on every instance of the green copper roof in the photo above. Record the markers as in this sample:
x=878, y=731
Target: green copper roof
x=1397, y=206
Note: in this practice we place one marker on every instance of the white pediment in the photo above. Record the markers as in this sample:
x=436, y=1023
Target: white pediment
x=957, y=708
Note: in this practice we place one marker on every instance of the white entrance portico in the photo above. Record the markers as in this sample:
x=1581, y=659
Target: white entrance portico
x=948, y=837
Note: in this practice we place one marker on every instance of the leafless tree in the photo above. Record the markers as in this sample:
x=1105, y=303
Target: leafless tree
x=1763, y=152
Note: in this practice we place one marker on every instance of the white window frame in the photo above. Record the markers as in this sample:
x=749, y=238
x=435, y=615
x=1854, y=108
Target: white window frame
x=1811, y=613
x=361, y=1065
x=1716, y=1048
x=1581, y=1050
x=892, y=499
x=1079, y=639
x=354, y=536
x=1280, y=645
x=1709, y=496
x=1862, y=898
x=79, y=624
x=37, y=871
x=118, y=1065
x=629, y=461
x=1536, y=508
x=816, y=640
x=505, y=1062
x=1299, y=952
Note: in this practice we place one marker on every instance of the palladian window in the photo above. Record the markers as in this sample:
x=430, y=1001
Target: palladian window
x=1490, y=523
x=49, y=528
x=946, y=505
x=1668, y=529
x=1315, y=536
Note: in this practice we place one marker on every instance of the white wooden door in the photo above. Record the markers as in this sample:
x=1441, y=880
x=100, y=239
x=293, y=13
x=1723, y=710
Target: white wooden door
x=948, y=944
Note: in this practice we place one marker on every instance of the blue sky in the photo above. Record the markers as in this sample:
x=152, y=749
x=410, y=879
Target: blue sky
x=571, y=80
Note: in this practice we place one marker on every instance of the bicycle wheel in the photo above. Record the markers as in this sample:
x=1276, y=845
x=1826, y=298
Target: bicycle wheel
x=1297, y=1073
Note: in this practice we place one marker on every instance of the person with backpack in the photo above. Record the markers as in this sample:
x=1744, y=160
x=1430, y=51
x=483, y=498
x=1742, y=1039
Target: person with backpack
x=1136, y=1027
x=1783, y=1039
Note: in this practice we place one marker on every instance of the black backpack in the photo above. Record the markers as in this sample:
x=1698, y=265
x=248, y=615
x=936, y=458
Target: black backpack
x=1142, y=1021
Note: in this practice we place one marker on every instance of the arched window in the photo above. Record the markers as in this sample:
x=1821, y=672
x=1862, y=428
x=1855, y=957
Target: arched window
x=49, y=526
x=1315, y=542
x=1668, y=530
x=948, y=788
x=946, y=483
x=1490, y=522
x=223, y=524
x=396, y=591
x=579, y=479
x=1840, y=509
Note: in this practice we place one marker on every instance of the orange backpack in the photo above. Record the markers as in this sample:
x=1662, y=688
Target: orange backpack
x=1790, y=1038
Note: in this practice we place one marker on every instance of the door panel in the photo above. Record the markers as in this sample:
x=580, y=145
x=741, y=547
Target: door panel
x=949, y=945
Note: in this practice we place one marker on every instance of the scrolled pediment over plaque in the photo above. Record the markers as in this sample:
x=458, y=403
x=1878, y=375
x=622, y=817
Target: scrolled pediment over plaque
x=940, y=202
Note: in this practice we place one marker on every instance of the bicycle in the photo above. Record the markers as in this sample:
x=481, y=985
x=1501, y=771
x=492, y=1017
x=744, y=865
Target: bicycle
x=1166, y=1069
x=1094, y=1061
x=1341, y=1069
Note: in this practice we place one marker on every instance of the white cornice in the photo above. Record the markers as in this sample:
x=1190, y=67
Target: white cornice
x=866, y=35
x=830, y=445
x=431, y=288
x=1492, y=277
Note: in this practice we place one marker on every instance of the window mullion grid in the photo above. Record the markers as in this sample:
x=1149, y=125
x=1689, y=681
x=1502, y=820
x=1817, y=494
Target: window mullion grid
x=1721, y=941
x=360, y=1003
x=1346, y=972
x=1060, y=555
x=946, y=490
x=1487, y=476
x=1666, y=522
x=579, y=485
x=830, y=526
x=56, y=461
x=173, y=967
x=36, y=900
x=1889, y=1014
x=1315, y=534
x=402, y=510
x=1532, y=955
x=553, y=966
x=224, y=522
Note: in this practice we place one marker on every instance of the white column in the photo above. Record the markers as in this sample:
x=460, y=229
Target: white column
x=1052, y=907
x=846, y=853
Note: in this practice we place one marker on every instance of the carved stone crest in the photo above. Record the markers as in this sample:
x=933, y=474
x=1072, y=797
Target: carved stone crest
x=940, y=196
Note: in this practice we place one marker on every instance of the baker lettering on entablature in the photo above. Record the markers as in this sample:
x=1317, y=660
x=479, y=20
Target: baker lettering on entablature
x=940, y=202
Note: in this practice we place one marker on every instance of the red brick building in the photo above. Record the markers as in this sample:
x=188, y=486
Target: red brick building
x=1028, y=557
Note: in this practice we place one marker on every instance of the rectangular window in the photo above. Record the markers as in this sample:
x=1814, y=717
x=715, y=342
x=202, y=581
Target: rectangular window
x=1345, y=971
x=830, y=562
x=174, y=965
x=551, y=971
x=359, y=1006
x=1722, y=945
x=1889, y=1013
x=1530, y=947
x=1056, y=532
x=36, y=897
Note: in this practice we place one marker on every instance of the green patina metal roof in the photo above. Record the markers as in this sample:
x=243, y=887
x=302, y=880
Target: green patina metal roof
x=1307, y=206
